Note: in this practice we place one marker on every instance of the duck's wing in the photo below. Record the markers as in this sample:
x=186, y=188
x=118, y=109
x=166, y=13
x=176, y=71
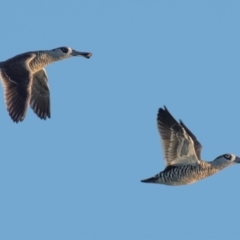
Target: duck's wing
x=197, y=144
x=16, y=79
x=177, y=141
x=40, y=95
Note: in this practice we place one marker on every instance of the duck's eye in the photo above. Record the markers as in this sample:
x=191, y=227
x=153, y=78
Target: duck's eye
x=227, y=156
x=64, y=49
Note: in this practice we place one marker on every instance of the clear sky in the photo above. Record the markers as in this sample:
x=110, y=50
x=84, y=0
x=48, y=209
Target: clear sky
x=77, y=175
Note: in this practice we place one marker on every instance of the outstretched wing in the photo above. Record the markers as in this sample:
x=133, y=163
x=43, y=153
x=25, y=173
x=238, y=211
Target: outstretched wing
x=177, y=140
x=40, y=94
x=16, y=80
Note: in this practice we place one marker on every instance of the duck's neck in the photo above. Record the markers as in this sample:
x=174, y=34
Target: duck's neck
x=216, y=166
x=41, y=60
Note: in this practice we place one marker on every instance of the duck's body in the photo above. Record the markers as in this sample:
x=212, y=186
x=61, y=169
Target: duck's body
x=182, y=154
x=25, y=81
x=184, y=174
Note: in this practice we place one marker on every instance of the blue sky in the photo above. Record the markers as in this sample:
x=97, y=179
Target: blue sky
x=77, y=175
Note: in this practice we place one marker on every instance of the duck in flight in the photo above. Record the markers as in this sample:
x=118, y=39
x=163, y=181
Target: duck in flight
x=25, y=81
x=182, y=152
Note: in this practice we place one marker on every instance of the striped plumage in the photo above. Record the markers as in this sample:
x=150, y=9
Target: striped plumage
x=25, y=81
x=182, y=152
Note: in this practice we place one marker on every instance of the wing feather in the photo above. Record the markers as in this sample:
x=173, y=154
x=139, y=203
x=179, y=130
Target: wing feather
x=177, y=140
x=16, y=80
x=40, y=95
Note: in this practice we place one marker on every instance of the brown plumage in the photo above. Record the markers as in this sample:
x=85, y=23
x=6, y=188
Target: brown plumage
x=182, y=153
x=25, y=81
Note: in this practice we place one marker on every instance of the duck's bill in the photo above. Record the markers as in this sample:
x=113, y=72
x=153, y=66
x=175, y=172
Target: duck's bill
x=83, y=54
x=237, y=160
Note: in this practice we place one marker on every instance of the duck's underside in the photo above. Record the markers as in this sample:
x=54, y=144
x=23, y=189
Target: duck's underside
x=181, y=175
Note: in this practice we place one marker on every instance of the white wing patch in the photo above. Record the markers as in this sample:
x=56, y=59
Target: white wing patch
x=181, y=148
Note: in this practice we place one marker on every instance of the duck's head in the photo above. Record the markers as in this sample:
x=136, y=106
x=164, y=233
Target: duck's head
x=66, y=52
x=228, y=159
